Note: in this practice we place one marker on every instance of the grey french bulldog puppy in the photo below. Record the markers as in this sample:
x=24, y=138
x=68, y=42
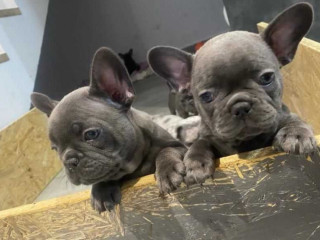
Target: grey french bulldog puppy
x=180, y=100
x=103, y=141
x=237, y=86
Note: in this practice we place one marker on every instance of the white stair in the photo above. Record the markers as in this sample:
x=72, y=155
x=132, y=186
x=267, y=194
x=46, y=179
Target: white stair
x=9, y=8
x=3, y=56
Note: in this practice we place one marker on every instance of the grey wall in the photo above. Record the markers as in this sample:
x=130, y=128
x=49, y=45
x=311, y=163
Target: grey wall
x=76, y=28
x=245, y=14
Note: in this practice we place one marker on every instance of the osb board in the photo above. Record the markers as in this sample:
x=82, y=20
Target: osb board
x=302, y=81
x=27, y=163
x=257, y=195
x=8, y=8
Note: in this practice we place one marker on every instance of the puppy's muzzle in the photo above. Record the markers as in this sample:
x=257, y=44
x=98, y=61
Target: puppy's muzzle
x=240, y=109
x=240, y=105
x=72, y=160
x=72, y=163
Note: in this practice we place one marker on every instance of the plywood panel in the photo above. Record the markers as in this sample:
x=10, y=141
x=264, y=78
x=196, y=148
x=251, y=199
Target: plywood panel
x=27, y=163
x=247, y=194
x=302, y=81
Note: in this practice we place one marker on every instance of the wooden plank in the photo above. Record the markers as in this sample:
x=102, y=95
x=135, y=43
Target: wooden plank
x=72, y=217
x=9, y=8
x=27, y=163
x=302, y=81
x=69, y=199
x=143, y=215
x=242, y=158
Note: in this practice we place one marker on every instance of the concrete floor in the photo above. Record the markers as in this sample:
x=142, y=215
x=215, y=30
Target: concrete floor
x=151, y=97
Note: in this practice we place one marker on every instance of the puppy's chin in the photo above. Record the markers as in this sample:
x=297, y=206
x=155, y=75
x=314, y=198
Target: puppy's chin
x=260, y=120
x=73, y=179
x=245, y=133
x=77, y=180
x=91, y=171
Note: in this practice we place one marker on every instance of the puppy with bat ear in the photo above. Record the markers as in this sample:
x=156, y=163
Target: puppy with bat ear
x=103, y=141
x=180, y=101
x=237, y=86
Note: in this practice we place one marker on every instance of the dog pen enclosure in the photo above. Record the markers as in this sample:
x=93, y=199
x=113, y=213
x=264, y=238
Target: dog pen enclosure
x=255, y=195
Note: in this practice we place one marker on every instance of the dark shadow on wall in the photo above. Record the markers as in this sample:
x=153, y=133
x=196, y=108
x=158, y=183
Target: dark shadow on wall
x=245, y=14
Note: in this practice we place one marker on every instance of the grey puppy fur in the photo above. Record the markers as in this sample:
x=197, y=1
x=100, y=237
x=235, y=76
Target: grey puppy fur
x=237, y=86
x=180, y=100
x=103, y=141
x=185, y=130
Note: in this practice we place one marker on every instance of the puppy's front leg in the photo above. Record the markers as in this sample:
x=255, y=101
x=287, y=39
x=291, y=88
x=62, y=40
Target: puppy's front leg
x=170, y=169
x=105, y=195
x=199, y=162
x=295, y=136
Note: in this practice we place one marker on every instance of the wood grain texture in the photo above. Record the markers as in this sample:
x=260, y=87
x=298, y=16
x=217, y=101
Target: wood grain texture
x=142, y=212
x=302, y=81
x=27, y=163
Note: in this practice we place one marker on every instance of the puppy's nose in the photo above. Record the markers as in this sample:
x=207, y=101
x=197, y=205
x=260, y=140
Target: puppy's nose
x=72, y=159
x=240, y=109
x=71, y=163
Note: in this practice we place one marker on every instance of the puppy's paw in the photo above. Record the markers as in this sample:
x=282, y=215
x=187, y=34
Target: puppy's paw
x=198, y=169
x=170, y=171
x=105, y=195
x=295, y=140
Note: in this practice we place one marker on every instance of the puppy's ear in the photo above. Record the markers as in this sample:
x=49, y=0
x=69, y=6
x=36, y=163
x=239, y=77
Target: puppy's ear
x=43, y=102
x=121, y=55
x=130, y=52
x=172, y=64
x=286, y=31
x=110, y=79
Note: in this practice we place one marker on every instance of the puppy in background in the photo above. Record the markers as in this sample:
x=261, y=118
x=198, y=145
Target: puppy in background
x=237, y=88
x=103, y=141
x=129, y=62
x=180, y=100
x=185, y=130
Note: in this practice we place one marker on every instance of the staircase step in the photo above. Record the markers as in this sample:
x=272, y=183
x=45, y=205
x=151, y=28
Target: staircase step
x=3, y=55
x=9, y=8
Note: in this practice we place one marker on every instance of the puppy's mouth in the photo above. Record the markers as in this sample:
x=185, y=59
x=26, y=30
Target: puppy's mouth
x=261, y=118
x=91, y=174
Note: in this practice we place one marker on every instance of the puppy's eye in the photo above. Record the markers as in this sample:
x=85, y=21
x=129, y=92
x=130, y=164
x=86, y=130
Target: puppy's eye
x=266, y=79
x=91, y=134
x=206, y=97
x=54, y=148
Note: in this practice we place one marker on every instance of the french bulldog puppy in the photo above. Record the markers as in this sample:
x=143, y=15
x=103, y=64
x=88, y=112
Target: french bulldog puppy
x=129, y=62
x=180, y=100
x=237, y=87
x=103, y=141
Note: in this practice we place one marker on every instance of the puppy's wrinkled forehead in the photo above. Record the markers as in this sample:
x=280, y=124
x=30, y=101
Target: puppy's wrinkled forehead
x=231, y=56
x=81, y=108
